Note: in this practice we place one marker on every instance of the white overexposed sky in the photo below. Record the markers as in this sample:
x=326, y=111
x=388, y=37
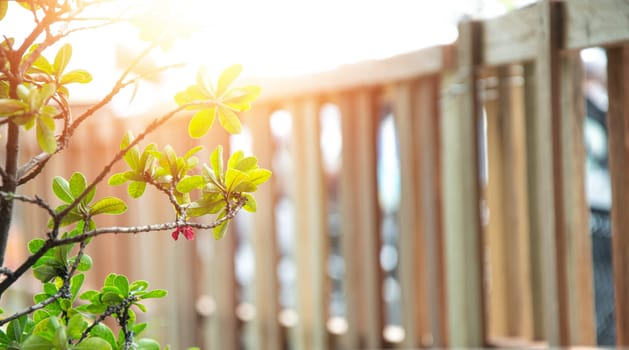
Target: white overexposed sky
x=269, y=38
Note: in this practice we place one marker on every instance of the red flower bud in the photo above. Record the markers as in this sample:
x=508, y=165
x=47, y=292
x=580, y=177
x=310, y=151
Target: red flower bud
x=186, y=231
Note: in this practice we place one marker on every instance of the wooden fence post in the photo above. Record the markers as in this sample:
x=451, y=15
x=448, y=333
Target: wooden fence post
x=267, y=332
x=461, y=205
x=618, y=117
x=360, y=225
x=578, y=241
x=309, y=224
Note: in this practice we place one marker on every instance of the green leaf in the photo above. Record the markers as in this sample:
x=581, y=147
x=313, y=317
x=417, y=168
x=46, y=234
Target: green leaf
x=10, y=106
x=139, y=328
x=109, y=205
x=103, y=332
x=141, y=307
x=85, y=264
x=35, y=245
x=136, y=189
x=76, y=76
x=227, y=78
x=89, y=295
x=250, y=205
x=190, y=183
x=50, y=289
x=62, y=58
x=154, y=294
x=229, y=120
x=93, y=343
x=16, y=328
x=77, y=184
x=76, y=326
x=147, y=344
x=117, y=179
x=201, y=122
x=111, y=298
x=36, y=342
x=60, y=340
x=122, y=283
x=62, y=190
x=88, y=197
x=138, y=286
x=219, y=231
x=75, y=284
x=46, y=136
x=45, y=272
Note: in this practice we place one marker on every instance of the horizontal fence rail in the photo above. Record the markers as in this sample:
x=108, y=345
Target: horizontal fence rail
x=455, y=215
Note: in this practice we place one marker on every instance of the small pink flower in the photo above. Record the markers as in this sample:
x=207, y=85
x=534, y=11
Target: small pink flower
x=186, y=231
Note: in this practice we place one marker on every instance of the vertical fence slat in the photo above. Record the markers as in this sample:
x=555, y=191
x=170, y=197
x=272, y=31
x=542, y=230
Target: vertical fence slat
x=360, y=219
x=463, y=241
x=545, y=175
x=578, y=257
x=514, y=198
x=409, y=232
x=618, y=117
x=310, y=225
x=267, y=330
x=426, y=131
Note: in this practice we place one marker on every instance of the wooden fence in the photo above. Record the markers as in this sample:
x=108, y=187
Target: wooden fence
x=491, y=224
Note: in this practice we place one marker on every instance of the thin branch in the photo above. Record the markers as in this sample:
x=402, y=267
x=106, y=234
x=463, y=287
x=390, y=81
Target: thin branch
x=33, y=308
x=6, y=271
x=36, y=201
x=51, y=243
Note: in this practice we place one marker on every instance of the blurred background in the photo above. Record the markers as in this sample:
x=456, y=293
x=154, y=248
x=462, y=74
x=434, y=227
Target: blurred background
x=400, y=214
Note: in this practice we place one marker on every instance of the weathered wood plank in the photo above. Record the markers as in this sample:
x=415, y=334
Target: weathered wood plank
x=510, y=38
x=461, y=205
x=595, y=23
x=426, y=128
x=514, y=198
x=409, y=231
x=359, y=227
x=310, y=224
x=267, y=332
x=545, y=176
x=362, y=74
x=578, y=257
x=618, y=118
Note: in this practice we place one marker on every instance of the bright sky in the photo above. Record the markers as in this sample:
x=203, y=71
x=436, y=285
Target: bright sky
x=272, y=38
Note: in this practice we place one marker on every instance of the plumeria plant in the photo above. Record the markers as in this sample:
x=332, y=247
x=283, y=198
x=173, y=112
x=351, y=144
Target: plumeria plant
x=34, y=98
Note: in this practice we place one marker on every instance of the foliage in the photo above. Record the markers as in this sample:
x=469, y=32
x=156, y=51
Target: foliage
x=34, y=94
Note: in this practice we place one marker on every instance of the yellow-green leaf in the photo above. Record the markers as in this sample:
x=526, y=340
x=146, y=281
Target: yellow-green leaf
x=229, y=120
x=109, y=205
x=190, y=183
x=136, y=189
x=250, y=205
x=62, y=190
x=201, y=122
x=233, y=178
x=203, y=81
x=10, y=106
x=216, y=160
x=76, y=76
x=77, y=183
x=46, y=137
x=62, y=58
x=219, y=231
x=258, y=176
x=227, y=78
x=117, y=179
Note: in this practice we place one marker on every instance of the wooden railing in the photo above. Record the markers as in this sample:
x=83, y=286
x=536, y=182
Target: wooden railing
x=493, y=242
